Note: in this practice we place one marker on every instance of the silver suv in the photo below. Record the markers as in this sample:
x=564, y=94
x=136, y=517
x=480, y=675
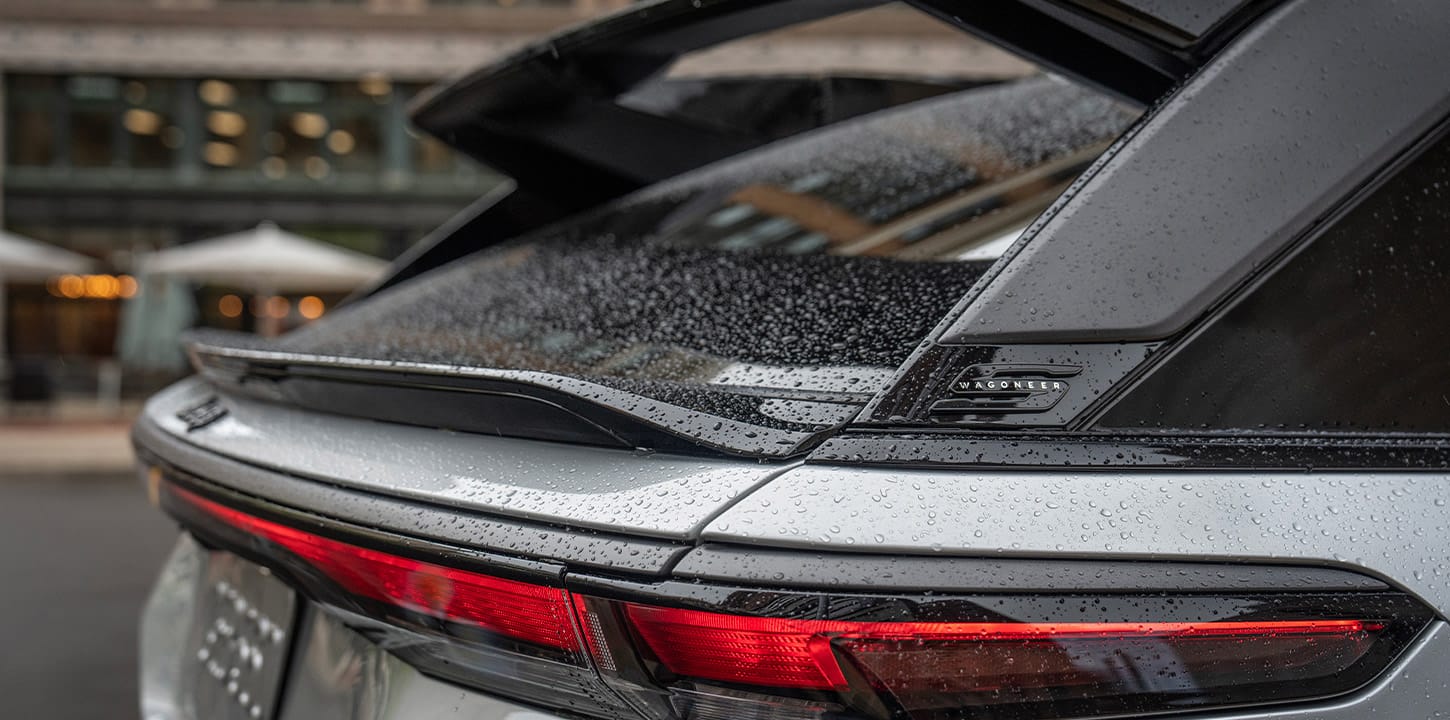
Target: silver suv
x=1109, y=387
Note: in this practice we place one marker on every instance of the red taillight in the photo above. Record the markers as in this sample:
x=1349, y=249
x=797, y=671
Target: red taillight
x=531, y=613
x=776, y=652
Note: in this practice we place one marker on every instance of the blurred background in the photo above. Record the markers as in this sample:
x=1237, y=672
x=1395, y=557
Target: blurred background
x=136, y=126
x=237, y=164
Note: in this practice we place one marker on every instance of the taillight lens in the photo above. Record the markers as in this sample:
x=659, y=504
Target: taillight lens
x=970, y=657
x=720, y=653
x=1046, y=669
x=508, y=636
x=522, y=611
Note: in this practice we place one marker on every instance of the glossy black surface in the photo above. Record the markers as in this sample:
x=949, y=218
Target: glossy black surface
x=563, y=117
x=550, y=109
x=1192, y=17
x=1224, y=174
x=745, y=307
x=1347, y=336
x=925, y=393
x=1129, y=451
x=848, y=572
x=769, y=108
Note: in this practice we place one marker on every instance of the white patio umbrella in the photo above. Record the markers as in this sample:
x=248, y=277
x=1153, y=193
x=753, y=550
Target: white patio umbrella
x=24, y=259
x=266, y=260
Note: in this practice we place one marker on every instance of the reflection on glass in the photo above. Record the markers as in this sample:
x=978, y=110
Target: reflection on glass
x=432, y=157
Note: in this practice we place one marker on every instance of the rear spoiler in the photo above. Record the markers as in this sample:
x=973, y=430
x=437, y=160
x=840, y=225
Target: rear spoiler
x=556, y=97
x=550, y=117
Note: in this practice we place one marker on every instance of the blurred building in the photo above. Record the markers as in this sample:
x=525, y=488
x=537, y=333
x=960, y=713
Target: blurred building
x=131, y=125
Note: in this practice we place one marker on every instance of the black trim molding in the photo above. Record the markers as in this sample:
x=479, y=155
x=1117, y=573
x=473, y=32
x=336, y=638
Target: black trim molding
x=1134, y=452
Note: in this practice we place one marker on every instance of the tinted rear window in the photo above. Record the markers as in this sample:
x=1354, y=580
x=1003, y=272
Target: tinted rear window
x=781, y=287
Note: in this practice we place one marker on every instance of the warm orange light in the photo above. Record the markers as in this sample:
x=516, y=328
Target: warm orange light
x=226, y=123
x=141, y=122
x=341, y=142
x=311, y=307
x=128, y=286
x=309, y=125
x=52, y=286
x=216, y=92
x=278, y=307
x=101, y=287
x=375, y=84
x=220, y=154
x=72, y=286
x=229, y=306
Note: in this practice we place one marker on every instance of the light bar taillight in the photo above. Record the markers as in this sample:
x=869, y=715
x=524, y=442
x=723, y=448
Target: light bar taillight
x=710, y=653
x=967, y=656
x=519, y=610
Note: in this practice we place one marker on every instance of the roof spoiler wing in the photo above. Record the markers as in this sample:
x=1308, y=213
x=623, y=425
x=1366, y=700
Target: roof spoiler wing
x=548, y=116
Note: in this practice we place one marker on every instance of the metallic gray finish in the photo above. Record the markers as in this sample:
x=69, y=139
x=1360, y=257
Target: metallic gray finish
x=164, y=637
x=584, y=548
x=1282, y=125
x=337, y=674
x=610, y=490
x=1393, y=525
x=191, y=632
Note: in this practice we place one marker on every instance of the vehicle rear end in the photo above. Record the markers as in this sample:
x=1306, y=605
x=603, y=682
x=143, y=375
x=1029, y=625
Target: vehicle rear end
x=810, y=392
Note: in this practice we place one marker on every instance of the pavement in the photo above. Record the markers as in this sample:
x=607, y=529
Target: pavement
x=78, y=553
x=98, y=447
x=79, y=548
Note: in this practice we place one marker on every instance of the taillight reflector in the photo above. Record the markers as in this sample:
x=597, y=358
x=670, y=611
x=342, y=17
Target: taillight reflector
x=778, y=652
x=531, y=613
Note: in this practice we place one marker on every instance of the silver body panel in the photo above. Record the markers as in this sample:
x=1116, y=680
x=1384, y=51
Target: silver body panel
x=1392, y=525
x=643, y=494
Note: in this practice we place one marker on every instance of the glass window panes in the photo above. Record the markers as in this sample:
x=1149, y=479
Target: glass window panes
x=92, y=138
x=149, y=119
x=31, y=120
x=231, y=129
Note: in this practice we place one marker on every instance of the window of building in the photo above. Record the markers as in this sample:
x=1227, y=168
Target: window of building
x=149, y=119
x=1344, y=337
x=297, y=136
x=93, y=120
x=355, y=141
x=31, y=120
x=235, y=130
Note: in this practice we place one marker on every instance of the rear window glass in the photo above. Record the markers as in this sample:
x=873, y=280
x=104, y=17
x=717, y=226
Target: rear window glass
x=781, y=287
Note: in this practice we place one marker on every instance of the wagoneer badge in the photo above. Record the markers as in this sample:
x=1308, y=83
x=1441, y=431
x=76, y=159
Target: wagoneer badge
x=1006, y=388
